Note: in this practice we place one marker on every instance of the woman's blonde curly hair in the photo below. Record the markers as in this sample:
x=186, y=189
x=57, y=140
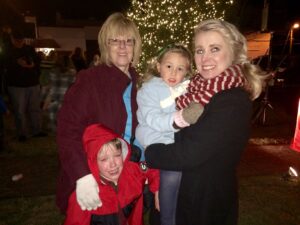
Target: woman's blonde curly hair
x=255, y=77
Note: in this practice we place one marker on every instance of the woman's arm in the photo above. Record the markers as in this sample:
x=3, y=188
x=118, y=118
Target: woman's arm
x=223, y=127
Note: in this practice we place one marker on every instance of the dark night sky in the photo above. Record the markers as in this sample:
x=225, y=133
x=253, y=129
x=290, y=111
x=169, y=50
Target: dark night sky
x=45, y=10
x=281, y=14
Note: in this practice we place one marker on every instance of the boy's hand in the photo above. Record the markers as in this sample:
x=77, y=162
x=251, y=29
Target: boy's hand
x=87, y=193
x=156, y=200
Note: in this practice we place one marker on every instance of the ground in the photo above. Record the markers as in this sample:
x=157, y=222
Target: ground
x=268, y=155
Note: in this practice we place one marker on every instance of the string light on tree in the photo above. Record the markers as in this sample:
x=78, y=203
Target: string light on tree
x=163, y=22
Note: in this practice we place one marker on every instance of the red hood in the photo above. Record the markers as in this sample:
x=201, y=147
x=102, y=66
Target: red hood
x=94, y=137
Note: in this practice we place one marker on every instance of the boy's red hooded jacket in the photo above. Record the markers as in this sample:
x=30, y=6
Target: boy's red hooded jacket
x=124, y=202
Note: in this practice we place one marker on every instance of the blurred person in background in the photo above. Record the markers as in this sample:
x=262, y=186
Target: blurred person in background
x=61, y=76
x=23, y=87
x=3, y=111
x=5, y=45
x=47, y=63
x=78, y=59
x=95, y=61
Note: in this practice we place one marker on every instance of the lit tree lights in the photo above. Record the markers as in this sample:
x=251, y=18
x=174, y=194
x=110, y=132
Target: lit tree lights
x=162, y=22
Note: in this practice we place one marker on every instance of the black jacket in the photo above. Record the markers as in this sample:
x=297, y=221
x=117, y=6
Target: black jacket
x=18, y=76
x=208, y=153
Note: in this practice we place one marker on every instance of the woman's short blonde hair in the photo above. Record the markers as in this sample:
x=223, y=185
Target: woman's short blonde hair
x=118, y=24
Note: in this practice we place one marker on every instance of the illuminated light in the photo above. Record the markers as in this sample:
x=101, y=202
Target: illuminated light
x=46, y=51
x=291, y=175
x=296, y=140
x=293, y=172
x=291, y=33
x=296, y=26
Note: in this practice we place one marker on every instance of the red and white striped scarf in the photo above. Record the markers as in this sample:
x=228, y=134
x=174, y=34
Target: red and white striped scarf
x=201, y=90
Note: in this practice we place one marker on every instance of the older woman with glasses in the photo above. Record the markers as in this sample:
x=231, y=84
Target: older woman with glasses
x=103, y=94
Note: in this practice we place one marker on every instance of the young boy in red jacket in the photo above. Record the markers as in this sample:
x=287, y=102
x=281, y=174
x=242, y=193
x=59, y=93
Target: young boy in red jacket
x=121, y=182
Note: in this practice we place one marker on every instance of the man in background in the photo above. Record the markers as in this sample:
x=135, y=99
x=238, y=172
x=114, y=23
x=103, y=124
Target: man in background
x=23, y=87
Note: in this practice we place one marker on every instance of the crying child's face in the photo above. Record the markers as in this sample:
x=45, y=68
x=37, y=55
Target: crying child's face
x=110, y=162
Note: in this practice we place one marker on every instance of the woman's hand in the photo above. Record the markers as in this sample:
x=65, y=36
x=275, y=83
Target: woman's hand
x=87, y=193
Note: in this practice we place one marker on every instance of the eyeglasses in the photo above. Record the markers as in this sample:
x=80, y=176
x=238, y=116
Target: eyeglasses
x=118, y=42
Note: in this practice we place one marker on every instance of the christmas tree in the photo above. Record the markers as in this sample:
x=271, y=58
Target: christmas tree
x=162, y=22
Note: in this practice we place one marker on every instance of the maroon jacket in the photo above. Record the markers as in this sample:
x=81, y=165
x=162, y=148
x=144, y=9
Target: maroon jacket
x=95, y=97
